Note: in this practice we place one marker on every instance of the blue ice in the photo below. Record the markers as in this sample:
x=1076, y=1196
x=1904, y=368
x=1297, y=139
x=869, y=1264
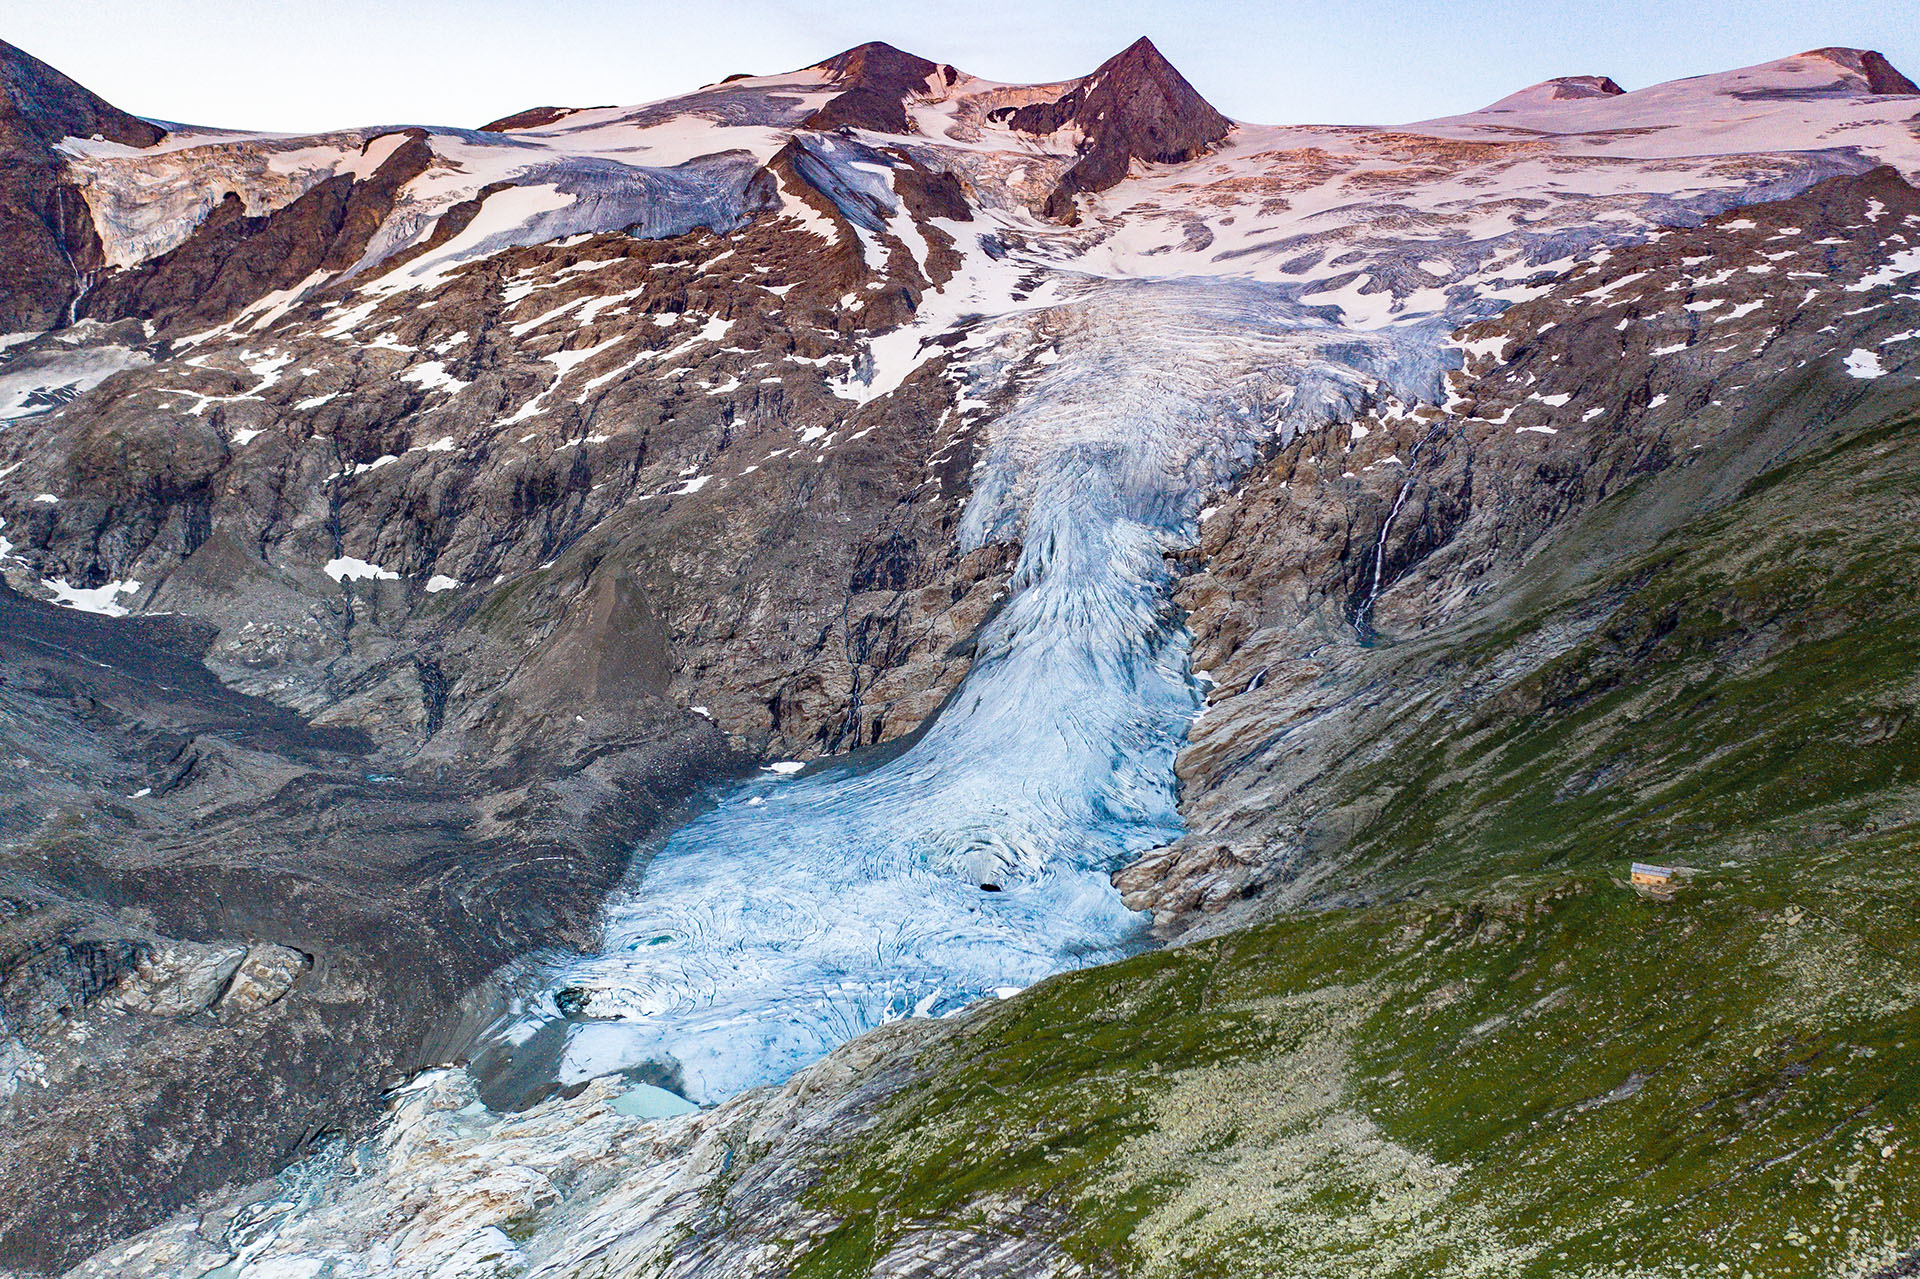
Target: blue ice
x=800, y=911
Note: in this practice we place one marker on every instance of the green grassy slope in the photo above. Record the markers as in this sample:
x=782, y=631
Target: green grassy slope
x=1758, y=679
x=1521, y=1066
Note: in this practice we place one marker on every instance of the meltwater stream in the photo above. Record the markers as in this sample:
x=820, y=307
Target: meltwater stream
x=799, y=912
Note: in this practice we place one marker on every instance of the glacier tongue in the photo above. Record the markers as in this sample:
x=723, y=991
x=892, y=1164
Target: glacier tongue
x=799, y=912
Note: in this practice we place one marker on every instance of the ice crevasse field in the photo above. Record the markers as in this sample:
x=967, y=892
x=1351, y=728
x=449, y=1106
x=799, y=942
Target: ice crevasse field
x=801, y=910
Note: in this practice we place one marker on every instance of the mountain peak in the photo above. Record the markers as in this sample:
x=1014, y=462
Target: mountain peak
x=1142, y=54
x=41, y=101
x=876, y=59
x=1870, y=65
x=1584, y=86
x=877, y=79
x=46, y=231
x=1134, y=106
x=1165, y=118
x=531, y=118
x=1566, y=88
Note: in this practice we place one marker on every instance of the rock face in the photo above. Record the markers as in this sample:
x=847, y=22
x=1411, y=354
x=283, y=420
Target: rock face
x=235, y=259
x=46, y=106
x=1871, y=65
x=170, y=486
x=1658, y=359
x=48, y=248
x=1134, y=106
x=401, y=529
x=836, y=615
x=875, y=81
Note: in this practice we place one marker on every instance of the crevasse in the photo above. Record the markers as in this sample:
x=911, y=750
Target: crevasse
x=799, y=912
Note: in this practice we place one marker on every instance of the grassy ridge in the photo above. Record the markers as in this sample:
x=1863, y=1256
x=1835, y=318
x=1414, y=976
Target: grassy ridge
x=1524, y=1068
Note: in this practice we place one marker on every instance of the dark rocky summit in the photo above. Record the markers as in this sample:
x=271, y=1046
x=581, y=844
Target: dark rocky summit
x=877, y=80
x=1135, y=106
x=531, y=118
x=45, y=106
x=1573, y=87
x=1881, y=76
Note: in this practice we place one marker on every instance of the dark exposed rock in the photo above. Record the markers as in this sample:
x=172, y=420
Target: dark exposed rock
x=1135, y=106
x=1881, y=76
x=531, y=118
x=48, y=247
x=43, y=104
x=1573, y=87
x=931, y=194
x=876, y=80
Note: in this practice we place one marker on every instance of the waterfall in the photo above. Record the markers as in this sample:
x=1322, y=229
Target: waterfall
x=1362, y=619
x=82, y=280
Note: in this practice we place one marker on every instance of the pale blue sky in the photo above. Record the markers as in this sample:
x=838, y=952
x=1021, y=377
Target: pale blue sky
x=310, y=64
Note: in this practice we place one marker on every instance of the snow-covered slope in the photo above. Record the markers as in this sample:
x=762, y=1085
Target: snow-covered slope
x=1379, y=223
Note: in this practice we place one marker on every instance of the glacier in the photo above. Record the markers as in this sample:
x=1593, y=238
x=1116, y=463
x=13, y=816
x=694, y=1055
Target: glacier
x=800, y=911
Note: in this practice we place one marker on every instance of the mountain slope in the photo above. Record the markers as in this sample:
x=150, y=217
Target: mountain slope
x=1514, y=495
x=1417, y=1111
x=49, y=243
x=1387, y=1088
x=1514, y=1061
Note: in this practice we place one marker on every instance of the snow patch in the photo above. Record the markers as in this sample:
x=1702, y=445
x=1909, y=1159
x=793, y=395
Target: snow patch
x=98, y=599
x=348, y=569
x=433, y=376
x=1898, y=267
x=1864, y=364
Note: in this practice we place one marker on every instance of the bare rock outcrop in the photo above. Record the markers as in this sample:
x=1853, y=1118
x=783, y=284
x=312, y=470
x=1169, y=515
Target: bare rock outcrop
x=1135, y=106
x=47, y=243
x=877, y=79
x=1870, y=65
